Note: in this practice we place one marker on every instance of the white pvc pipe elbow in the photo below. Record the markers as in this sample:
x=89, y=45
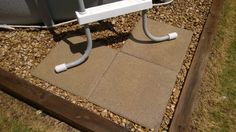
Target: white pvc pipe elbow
x=173, y=35
x=60, y=68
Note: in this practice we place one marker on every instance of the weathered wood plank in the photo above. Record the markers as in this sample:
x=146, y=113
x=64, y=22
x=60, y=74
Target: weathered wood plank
x=182, y=115
x=55, y=106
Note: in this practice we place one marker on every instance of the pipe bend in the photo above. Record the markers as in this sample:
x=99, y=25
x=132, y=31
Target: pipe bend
x=65, y=66
x=169, y=36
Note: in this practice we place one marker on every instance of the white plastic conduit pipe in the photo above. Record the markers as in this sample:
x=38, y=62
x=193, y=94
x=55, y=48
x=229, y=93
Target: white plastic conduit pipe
x=65, y=66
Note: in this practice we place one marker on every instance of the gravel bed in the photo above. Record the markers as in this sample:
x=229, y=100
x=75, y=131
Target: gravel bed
x=23, y=49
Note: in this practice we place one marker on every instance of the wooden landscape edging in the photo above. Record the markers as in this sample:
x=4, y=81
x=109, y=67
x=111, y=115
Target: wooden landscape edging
x=183, y=111
x=85, y=120
x=55, y=106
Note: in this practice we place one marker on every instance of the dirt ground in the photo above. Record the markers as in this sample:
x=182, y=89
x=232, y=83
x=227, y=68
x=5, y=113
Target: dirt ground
x=215, y=107
x=23, y=49
x=15, y=110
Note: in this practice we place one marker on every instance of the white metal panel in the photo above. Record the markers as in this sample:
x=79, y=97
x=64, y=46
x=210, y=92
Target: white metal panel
x=112, y=10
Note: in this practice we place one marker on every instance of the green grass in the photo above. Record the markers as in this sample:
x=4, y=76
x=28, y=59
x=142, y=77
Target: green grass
x=225, y=114
x=12, y=125
x=216, y=107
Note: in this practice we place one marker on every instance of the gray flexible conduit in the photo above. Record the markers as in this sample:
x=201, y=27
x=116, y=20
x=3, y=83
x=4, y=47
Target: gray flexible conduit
x=170, y=36
x=65, y=66
x=88, y=49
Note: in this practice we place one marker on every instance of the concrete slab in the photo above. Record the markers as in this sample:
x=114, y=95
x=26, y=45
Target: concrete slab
x=135, y=89
x=80, y=80
x=135, y=83
x=169, y=54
